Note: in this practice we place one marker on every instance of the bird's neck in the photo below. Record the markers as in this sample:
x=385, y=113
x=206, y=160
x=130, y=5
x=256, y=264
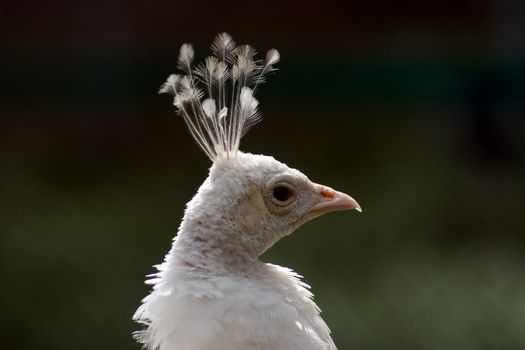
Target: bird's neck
x=211, y=247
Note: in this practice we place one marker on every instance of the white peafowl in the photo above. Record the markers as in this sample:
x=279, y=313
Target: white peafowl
x=212, y=291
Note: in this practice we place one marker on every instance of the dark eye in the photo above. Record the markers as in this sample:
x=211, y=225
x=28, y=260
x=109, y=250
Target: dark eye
x=282, y=193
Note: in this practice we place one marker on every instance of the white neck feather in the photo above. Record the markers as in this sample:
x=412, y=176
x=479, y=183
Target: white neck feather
x=197, y=248
x=210, y=237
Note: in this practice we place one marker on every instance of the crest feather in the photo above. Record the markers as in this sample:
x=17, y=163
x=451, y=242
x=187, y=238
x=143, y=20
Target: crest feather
x=216, y=98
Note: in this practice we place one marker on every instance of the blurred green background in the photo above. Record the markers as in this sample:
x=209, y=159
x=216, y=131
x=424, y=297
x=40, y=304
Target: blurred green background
x=414, y=108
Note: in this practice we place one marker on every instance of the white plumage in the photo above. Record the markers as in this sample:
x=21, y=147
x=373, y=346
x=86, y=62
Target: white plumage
x=212, y=291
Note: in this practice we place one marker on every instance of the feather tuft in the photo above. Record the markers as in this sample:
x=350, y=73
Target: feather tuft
x=272, y=57
x=249, y=114
x=216, y=97
x=208, y=106
x=171, y=84
x=186, y=55
x=246, y=51
x=248, y=103
x=224, y=48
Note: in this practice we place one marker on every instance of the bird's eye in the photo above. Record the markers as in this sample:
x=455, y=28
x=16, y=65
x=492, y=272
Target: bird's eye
x=282, y=194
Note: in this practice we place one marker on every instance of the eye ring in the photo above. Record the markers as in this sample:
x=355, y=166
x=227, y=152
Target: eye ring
x=281, y=194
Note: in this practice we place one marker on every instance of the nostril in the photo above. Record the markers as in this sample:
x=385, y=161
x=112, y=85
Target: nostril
x=327, y=192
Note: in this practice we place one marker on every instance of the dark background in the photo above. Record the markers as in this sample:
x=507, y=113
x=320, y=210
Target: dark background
x=415, y=108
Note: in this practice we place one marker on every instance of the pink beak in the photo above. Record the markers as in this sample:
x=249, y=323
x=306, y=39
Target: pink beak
x=332, y=200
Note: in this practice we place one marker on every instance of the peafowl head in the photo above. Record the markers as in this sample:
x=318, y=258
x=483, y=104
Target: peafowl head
x=248, y=202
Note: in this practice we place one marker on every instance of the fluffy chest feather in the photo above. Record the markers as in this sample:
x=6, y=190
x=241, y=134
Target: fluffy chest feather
x=191, y=310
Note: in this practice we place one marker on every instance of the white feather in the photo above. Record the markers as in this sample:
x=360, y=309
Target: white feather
x=248, y=104
x=170, y=86
x=224, y=47
x=186, y=55
x=192, y=310
x=272, y=57
x=222, y=78
x=208, y=105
